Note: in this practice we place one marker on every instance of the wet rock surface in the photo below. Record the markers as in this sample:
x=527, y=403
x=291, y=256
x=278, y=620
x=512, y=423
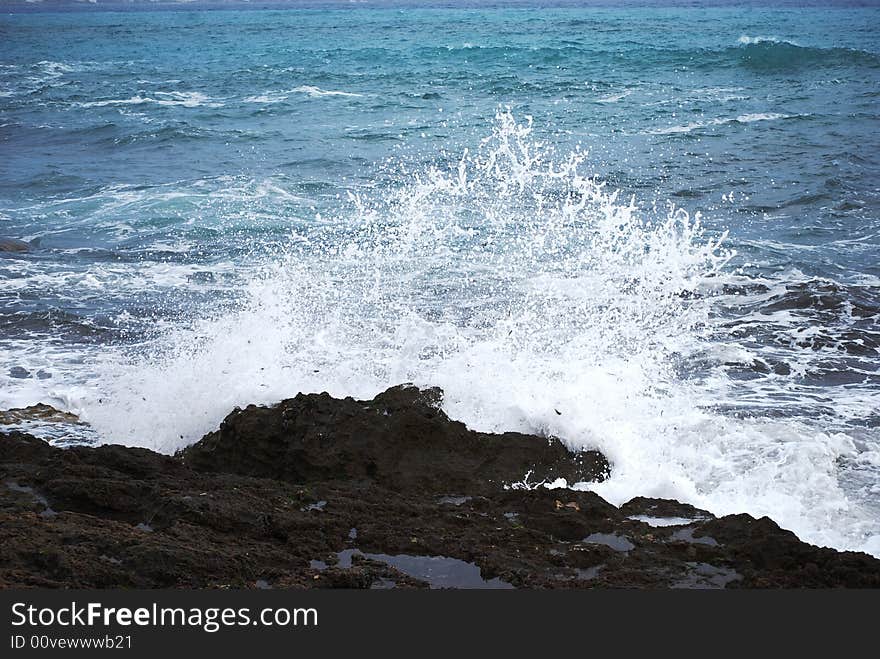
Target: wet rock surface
x=39, y=412
x=322, y=493
x=13, y=245
x=400, y=440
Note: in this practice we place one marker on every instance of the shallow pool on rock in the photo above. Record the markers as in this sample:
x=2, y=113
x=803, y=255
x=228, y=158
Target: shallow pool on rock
x=437, y=571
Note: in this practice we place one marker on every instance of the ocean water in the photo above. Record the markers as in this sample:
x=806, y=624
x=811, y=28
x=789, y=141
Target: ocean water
x=649, y=229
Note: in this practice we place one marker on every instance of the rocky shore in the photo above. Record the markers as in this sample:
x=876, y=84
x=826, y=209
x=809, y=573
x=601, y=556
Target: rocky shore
x=317, y=492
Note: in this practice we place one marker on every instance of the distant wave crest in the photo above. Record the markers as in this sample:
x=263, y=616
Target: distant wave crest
x=720, y=121
x=774, y=53
x=183, y=99
x=310, y=90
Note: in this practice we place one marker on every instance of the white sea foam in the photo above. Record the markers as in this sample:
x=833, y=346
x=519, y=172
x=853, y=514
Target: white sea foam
x=746, y=40
x=719, y=121
x=316, y=92
x=28, y=78
x=55, y=68
x=174, y=98
x=539, y=301
x=268, y=97
x=614, y=98
x=279, y=96
x=761, y=116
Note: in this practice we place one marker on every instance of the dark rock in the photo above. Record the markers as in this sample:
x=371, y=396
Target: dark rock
x=779, y=560
x=663, y=508
x=323, y=493
x=13, y=245
x=39, y=412
x=401, y=440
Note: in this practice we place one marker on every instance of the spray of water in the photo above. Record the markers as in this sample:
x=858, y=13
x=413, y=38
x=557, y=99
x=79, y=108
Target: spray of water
x=535, y=297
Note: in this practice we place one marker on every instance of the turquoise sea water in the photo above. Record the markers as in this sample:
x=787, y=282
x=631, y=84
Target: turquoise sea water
x=651, y=229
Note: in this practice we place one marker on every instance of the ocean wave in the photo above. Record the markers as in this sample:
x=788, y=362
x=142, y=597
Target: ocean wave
x=184, y=99
x=389, y=267
x=279, y=96
x=55, y=68
x=26, y=79
x=316, y=92
x=758, y=54
x=747, y=40
x=538, y=300
x=773, y=54
x=614, y=98
x=720, y=121
x=267, y=97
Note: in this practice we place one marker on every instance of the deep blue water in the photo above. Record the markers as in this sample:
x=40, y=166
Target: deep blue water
x=231, y=206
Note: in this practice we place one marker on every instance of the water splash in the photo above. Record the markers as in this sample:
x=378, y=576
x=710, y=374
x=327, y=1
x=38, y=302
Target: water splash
x=511, y=256
x=537, y=298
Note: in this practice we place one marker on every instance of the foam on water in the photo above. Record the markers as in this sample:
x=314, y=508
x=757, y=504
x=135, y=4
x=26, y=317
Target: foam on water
x=279, y=96
x=746, y=40
x=171, y=98
x=317, y=92
x=538, y=299
x=719, y=121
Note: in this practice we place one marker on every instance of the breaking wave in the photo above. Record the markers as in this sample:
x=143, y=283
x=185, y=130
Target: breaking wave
x=538, y=299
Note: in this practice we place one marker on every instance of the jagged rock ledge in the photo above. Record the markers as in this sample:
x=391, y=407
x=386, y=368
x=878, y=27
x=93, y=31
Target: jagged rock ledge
x=319, y=492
